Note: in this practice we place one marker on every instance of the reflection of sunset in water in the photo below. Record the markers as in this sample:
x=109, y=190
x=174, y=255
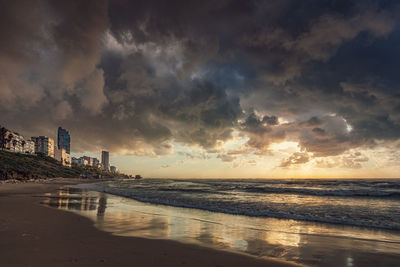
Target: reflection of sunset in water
x=303, y=242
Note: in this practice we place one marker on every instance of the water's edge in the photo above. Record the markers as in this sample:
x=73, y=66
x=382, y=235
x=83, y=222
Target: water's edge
x=308, y=243
x=222, y=201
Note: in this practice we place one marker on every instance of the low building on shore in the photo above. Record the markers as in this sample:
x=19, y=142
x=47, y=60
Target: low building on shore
x=83, y=162
x=113, y=169
x=96, y=163
x=78, y=161
x=88, y=160
x=62, y=156
x=75, y=160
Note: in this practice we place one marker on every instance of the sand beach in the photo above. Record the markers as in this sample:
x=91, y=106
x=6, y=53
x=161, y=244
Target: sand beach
x=35, y=235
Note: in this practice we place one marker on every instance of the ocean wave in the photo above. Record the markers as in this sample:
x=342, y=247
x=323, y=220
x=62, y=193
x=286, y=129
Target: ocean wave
x=365, y=212
x=325, y=192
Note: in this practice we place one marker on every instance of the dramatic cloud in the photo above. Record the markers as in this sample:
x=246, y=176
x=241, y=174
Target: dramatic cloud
x=296, y=158
x=137, y=77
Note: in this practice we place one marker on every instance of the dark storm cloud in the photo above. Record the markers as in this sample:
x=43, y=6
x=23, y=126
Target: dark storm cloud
x=18, y=47
x=132, y=76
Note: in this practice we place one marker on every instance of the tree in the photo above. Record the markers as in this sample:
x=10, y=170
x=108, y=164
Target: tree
x=23, y=145
x=14, y=142
x=9, y=138
x=3, y=138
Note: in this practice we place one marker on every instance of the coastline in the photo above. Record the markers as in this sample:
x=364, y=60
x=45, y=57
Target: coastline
x=35, y=235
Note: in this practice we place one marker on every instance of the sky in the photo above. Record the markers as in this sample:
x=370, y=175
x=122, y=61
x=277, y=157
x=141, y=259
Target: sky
x=209, y=89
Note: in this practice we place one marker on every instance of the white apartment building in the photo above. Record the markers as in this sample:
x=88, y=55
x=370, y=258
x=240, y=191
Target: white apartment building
x=15, y=142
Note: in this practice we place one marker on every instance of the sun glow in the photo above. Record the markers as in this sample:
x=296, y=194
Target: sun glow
x=285, y=147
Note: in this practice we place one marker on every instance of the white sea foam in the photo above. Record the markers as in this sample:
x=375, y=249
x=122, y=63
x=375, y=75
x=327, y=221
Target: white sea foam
x=369, y=203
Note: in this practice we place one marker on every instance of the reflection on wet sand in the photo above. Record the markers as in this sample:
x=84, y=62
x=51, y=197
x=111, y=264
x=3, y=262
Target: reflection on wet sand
x=302, y=242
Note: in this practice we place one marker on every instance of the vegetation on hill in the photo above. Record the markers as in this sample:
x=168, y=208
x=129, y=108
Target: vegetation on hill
x=21, y=166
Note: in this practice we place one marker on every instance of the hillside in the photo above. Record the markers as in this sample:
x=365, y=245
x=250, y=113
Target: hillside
x=20, y=166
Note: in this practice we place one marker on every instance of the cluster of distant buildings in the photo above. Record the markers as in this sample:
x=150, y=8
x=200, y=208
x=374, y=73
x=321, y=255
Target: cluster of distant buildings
x=94, y=162
x=14, y=142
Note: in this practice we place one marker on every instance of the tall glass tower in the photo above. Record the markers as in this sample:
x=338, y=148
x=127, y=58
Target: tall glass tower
x=64, y=140
x=105, y=160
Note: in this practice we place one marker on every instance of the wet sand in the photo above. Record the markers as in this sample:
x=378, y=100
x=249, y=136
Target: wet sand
x=34, y=235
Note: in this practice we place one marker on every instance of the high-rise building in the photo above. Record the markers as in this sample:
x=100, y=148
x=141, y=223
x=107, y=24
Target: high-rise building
x=64, y=140
x=105, y=160
x=44, y=144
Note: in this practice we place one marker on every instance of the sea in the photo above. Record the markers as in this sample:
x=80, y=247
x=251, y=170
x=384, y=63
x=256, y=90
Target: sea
x=316, y=222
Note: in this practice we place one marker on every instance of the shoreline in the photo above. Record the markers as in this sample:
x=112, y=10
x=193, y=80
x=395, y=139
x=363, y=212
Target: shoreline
x=36, y=235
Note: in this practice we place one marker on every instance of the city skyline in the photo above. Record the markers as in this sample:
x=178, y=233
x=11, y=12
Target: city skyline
x=13, y=141
x=233, y=89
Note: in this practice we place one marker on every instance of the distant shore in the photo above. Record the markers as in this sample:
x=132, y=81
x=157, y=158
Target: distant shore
x=35, y=235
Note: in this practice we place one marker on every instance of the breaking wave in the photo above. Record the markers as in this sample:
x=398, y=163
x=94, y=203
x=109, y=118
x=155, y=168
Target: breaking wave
x=374, y=203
